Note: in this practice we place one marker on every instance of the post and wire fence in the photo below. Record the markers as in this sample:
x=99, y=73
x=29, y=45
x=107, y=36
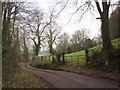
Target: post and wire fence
x=70, y=61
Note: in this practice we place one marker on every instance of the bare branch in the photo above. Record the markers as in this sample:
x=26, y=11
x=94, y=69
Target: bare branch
x=34, y=41
x=63, y=7
x=44, y=28
x=98, y=7
x=56, y=36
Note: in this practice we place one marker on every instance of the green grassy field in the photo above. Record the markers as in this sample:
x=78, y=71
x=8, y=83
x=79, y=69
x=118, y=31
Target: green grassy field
x=76, y=58
x=115, y=44
x=80, y=55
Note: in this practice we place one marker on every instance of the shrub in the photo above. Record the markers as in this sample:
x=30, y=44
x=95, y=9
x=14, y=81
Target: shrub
x=114, y=64
x=98, y=62
x=42, y=65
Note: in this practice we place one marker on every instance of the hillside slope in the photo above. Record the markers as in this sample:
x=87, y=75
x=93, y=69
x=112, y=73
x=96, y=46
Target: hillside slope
x=115, y=44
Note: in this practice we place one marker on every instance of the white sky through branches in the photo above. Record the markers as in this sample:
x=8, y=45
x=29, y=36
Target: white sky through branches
x=88, y=21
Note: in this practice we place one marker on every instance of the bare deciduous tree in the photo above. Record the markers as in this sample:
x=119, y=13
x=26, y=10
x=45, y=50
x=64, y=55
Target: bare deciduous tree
x=62, y=46
x=79, y=36
x=10, y=39
x=36, y=24
x=78, y=39
x=52, y=30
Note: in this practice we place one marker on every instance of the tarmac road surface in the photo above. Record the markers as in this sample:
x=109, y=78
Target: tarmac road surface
x=62, y=79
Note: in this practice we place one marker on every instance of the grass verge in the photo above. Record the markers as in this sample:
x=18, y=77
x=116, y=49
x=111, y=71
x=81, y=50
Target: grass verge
x=24, y=79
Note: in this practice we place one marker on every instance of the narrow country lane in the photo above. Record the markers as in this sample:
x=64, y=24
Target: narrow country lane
x=61, y=79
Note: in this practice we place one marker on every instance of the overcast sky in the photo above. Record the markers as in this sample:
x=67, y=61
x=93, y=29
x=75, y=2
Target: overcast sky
x=88, y=20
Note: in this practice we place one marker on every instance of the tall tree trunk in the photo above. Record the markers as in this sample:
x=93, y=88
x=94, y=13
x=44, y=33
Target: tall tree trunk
x=87, y=55
x=63, y=58
x=58, y=58
x=37, y=50
x=18, y=46
x=0, y=44
x=107, y=46
x=53, y=59
x=119, y=19
x=51, y=51
x=4, y=31
x=37, y=47
x=105, y=28
x=26, y=52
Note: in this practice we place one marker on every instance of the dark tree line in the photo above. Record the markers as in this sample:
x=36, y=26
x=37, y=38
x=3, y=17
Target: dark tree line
x=114, y=22
x=10, y=39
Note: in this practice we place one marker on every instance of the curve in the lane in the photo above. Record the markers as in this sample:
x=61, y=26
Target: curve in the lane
x=56, y=80
x=61, y=79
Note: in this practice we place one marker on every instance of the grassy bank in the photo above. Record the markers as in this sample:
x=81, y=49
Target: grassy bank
x=24, y=79
x=115, y=44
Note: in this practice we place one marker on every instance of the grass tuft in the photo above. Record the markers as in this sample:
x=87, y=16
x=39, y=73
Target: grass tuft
x=24, y=79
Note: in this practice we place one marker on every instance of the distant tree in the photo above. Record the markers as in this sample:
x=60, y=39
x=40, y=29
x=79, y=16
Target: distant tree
x=97, y=40
x=25, y=48
x=114, y=24
x=52, y=30
x=62, y=46
x=34, y=23
x=87, y=44
x=78, y=38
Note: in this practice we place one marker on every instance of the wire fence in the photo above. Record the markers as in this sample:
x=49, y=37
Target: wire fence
x=70, y=61
x=75, y=60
